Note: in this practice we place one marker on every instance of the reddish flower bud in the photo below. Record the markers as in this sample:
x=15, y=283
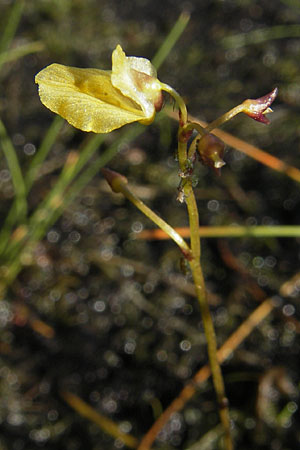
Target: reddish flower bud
x=211, y=151
x=257, y=108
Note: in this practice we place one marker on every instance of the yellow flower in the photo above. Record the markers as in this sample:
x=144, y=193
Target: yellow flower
x=102, y=100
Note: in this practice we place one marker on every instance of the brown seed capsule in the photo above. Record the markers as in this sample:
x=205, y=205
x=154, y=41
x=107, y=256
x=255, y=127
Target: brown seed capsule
x=211, y=151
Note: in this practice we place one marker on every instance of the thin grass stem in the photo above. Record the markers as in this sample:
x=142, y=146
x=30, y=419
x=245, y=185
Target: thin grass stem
x=170, y=41
x=43, y=151
x=20, y=51
x=262, y=35
x=12, y=23
x=104, y=423
x=15, y=171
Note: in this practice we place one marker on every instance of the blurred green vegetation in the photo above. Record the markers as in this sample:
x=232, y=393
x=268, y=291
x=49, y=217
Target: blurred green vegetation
x=89, y=309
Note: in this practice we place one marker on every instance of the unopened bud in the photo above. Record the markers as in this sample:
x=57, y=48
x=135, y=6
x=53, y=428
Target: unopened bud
x=211, y=151
x=114, y=179
x=257, y=108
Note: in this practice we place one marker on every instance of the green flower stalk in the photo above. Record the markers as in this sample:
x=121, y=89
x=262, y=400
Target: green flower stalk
x=254, y=108
x=118, y=184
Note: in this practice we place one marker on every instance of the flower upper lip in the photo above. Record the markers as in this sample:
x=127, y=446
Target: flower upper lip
x=136, y=78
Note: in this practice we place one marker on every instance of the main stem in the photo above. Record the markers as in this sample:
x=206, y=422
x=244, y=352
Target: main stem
x=209, y=330
x=198, y=278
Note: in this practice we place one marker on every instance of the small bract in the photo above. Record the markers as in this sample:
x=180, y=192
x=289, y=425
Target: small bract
x=102, y=100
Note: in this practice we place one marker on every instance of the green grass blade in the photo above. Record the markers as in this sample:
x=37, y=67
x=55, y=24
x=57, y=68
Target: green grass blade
x=11, y=25
x=18, y=211
x=261, y=35
x=175, y=33
x=19, y=52
x=7, y=226
x=15, y=171
x=36, y=163
x=43, y=151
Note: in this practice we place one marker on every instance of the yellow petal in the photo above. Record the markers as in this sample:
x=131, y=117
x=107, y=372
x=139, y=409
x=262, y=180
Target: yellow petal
x=141, y=65
x=86, y=98
x=136, y=79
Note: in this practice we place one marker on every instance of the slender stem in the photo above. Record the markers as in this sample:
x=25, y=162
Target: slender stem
x=156, y=219
x=195, y=126
x=103, y=422
x=200, y=131
x=182, y=156
x=179, y=101
x=205, y=312
x=225, y=117
x=193, y=220
x=231, y=231
x=198, y=278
